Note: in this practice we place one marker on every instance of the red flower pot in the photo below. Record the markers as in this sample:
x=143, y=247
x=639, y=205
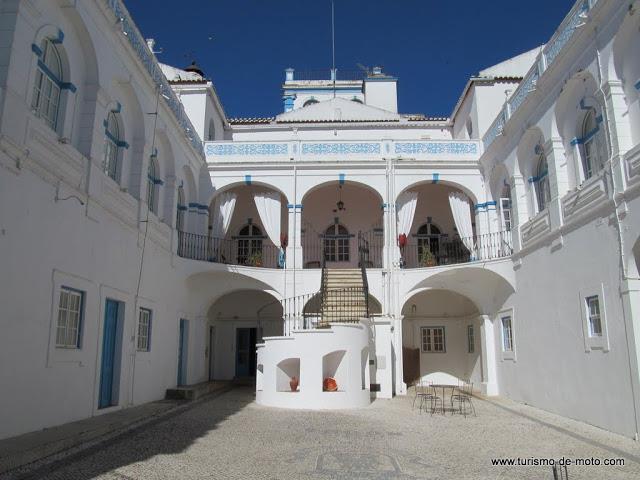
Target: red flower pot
x=329, y=385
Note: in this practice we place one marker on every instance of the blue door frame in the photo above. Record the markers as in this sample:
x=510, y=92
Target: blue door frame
x=182, y=351
x=107, y=366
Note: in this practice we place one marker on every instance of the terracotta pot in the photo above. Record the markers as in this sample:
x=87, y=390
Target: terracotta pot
x=329, y=385
x=293, y=383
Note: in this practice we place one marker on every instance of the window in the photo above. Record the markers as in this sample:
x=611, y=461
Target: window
x=180, y=209
x=432, y=339
x=471, y=339
x=113, y=141
x=311, y=101
x=211, y=134
x=507, y=334
x=152, y=187
x=470, y=128
x=428, y=236
x=593, y=314
x=592, y=151
x=46, y=90
x=144, y=330
x=250, y=245
x=357, y=100
x=70, y=307
x=541, y=183
x=336, y=244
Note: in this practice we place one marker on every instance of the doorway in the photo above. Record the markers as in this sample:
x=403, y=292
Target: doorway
x=111, y=348
x=212, y=342
x=246, y=352
x=183, y=344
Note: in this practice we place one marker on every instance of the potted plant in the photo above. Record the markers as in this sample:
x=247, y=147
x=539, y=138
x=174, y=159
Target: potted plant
x=255, y=259
x=427, y=259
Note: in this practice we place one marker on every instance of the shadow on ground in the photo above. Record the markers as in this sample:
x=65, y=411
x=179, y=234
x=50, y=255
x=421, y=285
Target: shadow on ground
x=171, y=434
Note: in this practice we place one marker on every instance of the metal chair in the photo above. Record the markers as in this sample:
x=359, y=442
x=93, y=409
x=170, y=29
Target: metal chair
x=431, y=396
x=463, y=397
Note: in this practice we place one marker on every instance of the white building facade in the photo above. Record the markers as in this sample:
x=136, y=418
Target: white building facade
x=149, y=241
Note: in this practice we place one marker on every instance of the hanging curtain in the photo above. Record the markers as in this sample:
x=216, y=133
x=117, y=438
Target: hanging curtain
x=406, y=208
x=461, y=210
x=268, y=206
x=222, y=212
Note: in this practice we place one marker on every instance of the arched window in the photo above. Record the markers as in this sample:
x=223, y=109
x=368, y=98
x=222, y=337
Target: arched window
x=592, y=145
x=211, y=134
x=152, y=185
x=541, y=183
x=357, y=100
x=46, y=90
x=113, y=141
x=336, y=244
x=180, y=209
x=428, y=236
x=311, y=101
x=250, y=245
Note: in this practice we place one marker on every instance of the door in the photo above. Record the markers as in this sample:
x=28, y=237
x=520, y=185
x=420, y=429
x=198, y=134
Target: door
x=246, y=352
x=212, y=340
x=108, y=364
x=183, y=338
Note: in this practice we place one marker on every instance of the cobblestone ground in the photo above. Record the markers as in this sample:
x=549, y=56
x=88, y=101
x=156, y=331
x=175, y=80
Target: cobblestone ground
x=230, y=437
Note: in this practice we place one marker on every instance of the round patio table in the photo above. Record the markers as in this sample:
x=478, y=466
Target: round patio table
x=444, y=387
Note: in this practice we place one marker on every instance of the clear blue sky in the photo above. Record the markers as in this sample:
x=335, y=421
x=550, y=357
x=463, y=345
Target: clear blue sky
x=431, y=46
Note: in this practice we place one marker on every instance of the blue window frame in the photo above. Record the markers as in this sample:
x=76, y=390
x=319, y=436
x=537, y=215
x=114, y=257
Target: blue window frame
x=48, y=84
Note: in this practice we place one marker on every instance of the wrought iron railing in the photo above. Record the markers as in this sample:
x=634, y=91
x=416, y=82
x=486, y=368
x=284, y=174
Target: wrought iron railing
x=315, y=251
x=325, y=74
x=363, y=261
x=432, y=253
x=229, y=251
x=344, y=305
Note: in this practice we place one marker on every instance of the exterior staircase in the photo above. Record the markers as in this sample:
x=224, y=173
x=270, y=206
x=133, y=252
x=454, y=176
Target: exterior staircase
x=343, y=296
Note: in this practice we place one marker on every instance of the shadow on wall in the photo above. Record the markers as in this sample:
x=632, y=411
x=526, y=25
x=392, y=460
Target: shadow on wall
x=167, y=436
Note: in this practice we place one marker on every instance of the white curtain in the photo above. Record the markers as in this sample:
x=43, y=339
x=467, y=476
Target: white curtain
x=222, y=212
x=461, y=210
x=406, y=208
x=268, y=205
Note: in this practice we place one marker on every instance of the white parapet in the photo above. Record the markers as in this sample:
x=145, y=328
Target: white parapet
x=341, y=352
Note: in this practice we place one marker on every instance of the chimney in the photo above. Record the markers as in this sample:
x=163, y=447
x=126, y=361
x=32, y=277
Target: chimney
x=380, y=90
x=288, y=74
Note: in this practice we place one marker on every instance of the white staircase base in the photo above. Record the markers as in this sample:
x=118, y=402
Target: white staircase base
x=342, y=352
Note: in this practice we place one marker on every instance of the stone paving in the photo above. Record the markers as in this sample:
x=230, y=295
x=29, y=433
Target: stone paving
x=230, y=437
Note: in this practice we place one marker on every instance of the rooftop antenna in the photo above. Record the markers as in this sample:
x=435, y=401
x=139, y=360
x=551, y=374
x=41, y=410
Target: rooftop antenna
x=333, y=48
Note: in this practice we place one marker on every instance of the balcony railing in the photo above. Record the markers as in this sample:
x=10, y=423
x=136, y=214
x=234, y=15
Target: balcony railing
x=247, y=252
x=433, y=252
x=314, y=246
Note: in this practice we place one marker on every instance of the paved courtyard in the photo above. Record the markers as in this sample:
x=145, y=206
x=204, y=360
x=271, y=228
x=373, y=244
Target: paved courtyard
x=230, y=437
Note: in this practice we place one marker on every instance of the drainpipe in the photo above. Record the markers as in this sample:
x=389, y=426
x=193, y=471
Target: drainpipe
x=620, y=235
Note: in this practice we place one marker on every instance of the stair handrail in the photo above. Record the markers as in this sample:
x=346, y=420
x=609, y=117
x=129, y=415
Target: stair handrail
x=363, y=250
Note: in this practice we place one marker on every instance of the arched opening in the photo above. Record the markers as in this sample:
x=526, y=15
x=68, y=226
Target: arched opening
x=540, y=183
x=248, y=225
x=532, y=162
x=153, y=184
x=181, y=208
x=46, y=102
x=335, y=214
x=311, y=101
x=436, y=226
x=239, y=320
x=440, y=338
x=114, y=142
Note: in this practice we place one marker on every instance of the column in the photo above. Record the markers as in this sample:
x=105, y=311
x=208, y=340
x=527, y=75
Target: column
x=619, y=133
x=294, y=248
x=489, y=368
x=519, y=210
x=558, y=179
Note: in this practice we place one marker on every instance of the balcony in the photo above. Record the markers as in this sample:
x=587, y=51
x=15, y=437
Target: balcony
x=438, y=250
x=235, y=251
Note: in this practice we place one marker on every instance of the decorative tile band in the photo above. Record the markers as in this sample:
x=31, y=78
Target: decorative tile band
x=247, y=149
x=437, y=148
x=340, y=148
